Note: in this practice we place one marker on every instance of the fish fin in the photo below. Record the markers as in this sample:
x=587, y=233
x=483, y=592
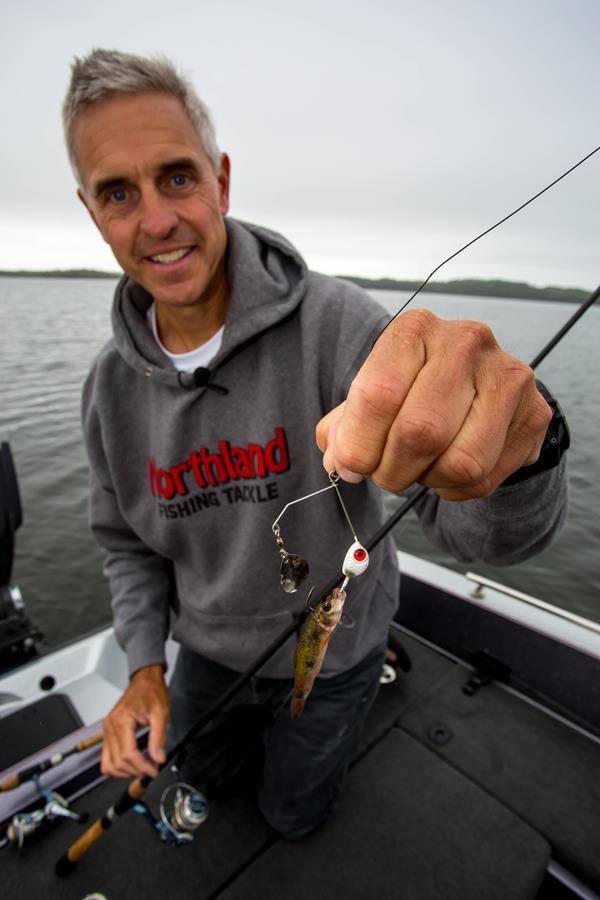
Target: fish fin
x=296, y=707
x=346, y=621
x=312, y=587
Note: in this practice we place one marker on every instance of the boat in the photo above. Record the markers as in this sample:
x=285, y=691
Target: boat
x=476, y=778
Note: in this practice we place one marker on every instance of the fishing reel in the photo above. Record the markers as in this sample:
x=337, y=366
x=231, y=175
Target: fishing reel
x=24, y=825
x=182, y=809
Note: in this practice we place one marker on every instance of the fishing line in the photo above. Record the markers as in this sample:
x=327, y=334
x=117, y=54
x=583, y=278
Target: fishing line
x=483, y=234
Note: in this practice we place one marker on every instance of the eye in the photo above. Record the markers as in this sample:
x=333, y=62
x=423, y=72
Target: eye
x=118, y=195
x=180, y=179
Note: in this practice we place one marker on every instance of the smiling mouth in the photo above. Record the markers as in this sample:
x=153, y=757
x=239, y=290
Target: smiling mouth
x=171, y=257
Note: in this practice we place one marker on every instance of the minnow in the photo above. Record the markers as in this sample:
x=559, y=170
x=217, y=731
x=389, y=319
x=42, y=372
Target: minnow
x=313, y=638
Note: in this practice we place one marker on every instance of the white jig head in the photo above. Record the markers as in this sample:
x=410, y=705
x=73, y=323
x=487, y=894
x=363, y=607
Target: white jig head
x=356, y=560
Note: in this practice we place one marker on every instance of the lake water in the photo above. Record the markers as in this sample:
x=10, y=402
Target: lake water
x=50, y=331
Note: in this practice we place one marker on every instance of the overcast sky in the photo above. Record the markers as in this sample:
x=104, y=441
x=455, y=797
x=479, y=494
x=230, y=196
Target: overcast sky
x=378, y=135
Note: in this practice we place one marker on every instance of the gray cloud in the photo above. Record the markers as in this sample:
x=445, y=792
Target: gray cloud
x=380, y=137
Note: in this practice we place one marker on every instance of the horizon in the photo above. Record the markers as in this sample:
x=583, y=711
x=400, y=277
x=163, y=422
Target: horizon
x=104, y=273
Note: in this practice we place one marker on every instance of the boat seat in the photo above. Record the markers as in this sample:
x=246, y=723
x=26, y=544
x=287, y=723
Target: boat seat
x=35, y=726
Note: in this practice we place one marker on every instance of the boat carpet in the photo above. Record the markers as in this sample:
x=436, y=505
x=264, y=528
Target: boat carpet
x=428, y=670
x=409, y=825
x=536, y=765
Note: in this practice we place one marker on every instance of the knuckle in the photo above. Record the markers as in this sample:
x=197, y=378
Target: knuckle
x=385, y=482
x=128, y=757
x=410, y=332
x=427, y=435
x=407, y=332
x=519, y=375
x=466, y=467
x=418, y=321
x=376, y=395
x=479, y=333
x=356, y=459
x=469, y=338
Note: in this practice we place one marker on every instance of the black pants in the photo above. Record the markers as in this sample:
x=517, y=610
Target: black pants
x=297, y=765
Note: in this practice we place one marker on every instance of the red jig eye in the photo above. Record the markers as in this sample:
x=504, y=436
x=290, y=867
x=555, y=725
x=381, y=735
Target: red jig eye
x=355, y=561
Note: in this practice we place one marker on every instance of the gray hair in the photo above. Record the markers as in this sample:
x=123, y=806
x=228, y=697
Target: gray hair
x=106, y=73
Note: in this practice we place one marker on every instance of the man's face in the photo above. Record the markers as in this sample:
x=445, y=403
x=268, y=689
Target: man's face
x=153, y=193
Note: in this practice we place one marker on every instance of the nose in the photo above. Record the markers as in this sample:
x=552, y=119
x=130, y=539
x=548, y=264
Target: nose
x=158, y=217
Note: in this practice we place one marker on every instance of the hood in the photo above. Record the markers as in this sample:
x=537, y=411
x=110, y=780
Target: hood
x=267, y=279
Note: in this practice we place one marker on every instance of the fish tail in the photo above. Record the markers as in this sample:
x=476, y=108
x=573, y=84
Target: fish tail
x=296, y=707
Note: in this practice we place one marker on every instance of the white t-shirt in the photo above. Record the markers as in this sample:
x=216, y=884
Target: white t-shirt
x=193, y=359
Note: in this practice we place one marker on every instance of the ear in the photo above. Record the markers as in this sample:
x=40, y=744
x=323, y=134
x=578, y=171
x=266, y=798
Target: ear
x=82, y=197
x=224, y=179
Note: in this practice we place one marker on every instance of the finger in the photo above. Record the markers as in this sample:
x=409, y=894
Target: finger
x=466, y=467
x=110, y=763
x=132, y=761
x=106, y=766
x=378, y=392
x=324, y=429
x=157, y=738
x=428, y=422
x=326, y=436
x=521, y=447
x=122, y=757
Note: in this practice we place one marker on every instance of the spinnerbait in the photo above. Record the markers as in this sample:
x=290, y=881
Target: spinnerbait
x=294, y=568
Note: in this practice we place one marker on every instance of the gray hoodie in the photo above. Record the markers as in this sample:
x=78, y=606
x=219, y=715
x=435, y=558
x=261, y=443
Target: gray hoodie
x=186, y=481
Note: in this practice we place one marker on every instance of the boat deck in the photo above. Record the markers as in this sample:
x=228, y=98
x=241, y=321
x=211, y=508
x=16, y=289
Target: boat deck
x=450, y=796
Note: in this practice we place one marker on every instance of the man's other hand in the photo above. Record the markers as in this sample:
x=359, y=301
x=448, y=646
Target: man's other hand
x=145, y=702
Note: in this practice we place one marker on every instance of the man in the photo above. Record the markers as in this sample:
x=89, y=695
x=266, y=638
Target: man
x=199, y=422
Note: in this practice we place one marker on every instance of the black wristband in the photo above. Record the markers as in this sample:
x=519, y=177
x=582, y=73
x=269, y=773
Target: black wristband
x=557, y=440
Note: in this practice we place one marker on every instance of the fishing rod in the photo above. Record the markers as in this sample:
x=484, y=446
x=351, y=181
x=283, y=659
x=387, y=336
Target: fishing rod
x=137, y=788
x=581, y=309
x=13, y=781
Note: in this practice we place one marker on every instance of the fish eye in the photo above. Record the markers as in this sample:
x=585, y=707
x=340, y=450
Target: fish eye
x=327, y=605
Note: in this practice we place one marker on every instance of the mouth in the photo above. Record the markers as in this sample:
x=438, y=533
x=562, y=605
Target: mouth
x=170, y=257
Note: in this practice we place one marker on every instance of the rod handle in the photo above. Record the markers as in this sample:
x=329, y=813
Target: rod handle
x=135, y=790
x=89, y=742
x=10, y=783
